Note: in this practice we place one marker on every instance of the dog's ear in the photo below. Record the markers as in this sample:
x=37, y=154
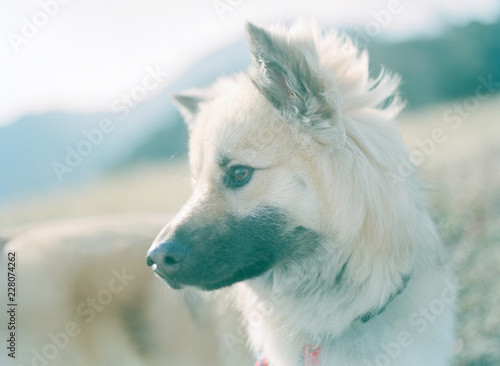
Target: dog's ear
x=288, y=73
x=188, y=103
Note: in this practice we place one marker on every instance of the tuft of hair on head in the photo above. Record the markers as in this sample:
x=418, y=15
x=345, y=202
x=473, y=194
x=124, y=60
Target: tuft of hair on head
x=288, y=73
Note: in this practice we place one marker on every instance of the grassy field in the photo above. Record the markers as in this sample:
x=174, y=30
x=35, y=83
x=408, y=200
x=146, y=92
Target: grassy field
x=463, y=175
x=459, y=155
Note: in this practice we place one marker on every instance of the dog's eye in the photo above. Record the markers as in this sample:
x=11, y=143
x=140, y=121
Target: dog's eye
x=238, y=176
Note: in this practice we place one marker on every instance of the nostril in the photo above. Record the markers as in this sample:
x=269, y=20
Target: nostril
x=175, y=253
x=170, y=261
x=167, y=255
x=149, y=261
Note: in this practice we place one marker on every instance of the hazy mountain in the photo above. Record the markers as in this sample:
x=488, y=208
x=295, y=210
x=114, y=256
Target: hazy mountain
x=433, y=69
x=42, y=152
x=30, y=145
x=169, y=140
x=446, y=67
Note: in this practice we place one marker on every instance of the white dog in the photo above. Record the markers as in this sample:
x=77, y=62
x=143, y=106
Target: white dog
x=312, y=248
x=298, y=203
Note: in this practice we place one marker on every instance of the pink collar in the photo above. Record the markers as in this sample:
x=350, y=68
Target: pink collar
x=310, y=355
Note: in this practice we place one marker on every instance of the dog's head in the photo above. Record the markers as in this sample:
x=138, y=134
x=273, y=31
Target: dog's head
x=269, y=160
x=253, y=141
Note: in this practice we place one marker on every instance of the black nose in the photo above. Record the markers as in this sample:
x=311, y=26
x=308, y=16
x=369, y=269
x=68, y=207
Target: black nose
x=167, y=256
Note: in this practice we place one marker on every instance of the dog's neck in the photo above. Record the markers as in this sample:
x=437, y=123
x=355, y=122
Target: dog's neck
x=271, y=303
x=317, y=300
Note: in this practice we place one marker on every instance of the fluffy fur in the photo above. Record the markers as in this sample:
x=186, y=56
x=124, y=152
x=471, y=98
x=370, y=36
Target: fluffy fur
x=324, y=244
x=320, y=134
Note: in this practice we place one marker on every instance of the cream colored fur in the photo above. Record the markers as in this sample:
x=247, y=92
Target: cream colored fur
x=328, y=158
x=334, y=175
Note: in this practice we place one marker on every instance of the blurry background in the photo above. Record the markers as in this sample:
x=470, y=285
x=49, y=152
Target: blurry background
x=87, y=126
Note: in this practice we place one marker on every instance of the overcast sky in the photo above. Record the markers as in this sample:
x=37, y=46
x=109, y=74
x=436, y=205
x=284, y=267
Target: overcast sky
x=80, y=55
